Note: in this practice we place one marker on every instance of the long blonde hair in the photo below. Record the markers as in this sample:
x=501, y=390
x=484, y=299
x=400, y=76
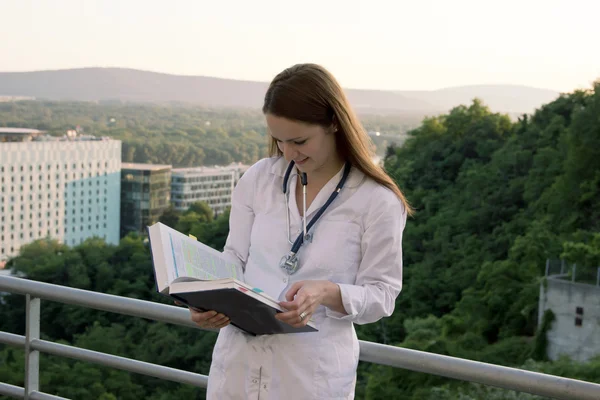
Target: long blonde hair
x=311, y=94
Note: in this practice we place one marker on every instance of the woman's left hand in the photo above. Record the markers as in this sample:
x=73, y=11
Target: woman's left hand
x=303, y=298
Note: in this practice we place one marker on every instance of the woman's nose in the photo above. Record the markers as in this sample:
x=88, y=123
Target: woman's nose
x=289, y=151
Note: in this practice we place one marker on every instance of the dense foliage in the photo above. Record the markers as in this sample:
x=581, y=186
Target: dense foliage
x=494, y=200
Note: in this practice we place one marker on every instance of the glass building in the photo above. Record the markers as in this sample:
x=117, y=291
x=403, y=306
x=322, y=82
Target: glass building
x=145, y=194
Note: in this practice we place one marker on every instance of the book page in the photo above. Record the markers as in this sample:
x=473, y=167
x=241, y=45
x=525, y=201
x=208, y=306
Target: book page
x=190, y=258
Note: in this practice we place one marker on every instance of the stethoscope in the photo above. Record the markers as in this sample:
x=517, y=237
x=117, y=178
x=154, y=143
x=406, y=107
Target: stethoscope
x=290, y=261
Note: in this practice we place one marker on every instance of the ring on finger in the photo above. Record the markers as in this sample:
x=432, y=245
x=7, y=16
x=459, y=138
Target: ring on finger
x=302, y=315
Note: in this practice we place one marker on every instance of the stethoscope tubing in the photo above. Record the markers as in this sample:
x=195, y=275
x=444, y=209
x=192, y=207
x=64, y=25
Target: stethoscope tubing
x=301, y=237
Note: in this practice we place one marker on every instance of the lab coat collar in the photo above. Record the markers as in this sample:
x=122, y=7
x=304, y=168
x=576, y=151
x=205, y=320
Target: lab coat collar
x=354, y=179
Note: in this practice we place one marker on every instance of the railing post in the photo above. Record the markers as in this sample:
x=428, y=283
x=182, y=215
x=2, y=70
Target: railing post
x=547, y=266
x=574, y=272
x=598, y=277
x=32, y=357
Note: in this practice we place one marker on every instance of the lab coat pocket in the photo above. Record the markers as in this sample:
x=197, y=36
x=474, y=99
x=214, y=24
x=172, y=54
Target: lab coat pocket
x=296, y=368
x=340, y=243
x=336, y=377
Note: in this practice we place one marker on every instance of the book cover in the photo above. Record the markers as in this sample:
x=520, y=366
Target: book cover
x=203, y=278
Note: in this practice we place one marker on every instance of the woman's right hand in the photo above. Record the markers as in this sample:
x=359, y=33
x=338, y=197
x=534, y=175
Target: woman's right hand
x=209, y=319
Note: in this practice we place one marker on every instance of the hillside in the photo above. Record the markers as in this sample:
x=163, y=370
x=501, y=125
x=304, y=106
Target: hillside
x=505, y=98
x=129, y=85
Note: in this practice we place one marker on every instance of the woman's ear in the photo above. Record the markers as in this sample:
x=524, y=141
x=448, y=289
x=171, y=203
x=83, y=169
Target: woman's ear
x=334, y=124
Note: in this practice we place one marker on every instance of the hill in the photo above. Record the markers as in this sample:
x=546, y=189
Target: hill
x=129, y=85
x=515, y=99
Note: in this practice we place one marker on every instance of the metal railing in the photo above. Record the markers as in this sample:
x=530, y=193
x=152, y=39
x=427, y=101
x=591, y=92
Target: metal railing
x=560, y=269
x=451, y=367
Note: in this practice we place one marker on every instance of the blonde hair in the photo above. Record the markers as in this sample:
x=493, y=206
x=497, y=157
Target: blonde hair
x=311, y=94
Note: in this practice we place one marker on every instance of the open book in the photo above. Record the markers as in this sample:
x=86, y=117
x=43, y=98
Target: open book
x=203, y=278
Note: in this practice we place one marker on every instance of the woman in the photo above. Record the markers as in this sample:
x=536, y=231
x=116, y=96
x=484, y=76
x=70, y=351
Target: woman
x=349, y=268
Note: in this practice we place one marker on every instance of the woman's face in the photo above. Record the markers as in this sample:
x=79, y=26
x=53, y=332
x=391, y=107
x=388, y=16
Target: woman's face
x=312, y=147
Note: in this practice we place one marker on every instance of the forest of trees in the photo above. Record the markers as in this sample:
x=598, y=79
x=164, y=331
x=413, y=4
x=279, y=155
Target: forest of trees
x=494, y=200
x=179, y=135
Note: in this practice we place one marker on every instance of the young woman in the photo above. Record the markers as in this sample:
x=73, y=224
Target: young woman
x=345, y=268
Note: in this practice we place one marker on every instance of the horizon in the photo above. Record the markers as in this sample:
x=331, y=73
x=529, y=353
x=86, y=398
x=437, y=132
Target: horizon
x=380, y=45
x=473, y=85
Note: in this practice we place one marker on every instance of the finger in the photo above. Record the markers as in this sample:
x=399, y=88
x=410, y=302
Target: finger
x=217, y=319
x=297, y=302
x=222, y=324
x=304, y=316
x=201, y=317
x=298, y=322
x=293, y=316
x=293, y=290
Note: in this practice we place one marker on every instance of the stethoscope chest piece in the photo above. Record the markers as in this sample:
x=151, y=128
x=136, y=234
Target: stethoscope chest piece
x=289, y=263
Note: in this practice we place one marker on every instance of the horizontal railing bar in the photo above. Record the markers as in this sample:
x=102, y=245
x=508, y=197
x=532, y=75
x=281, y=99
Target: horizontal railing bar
x=19, y=393
x=122, y=363
x=474, y=371
x=100, y=301
x=16, y=392
x=456, y=368
x=109, y=360
x=12, y=339
x=44, y=396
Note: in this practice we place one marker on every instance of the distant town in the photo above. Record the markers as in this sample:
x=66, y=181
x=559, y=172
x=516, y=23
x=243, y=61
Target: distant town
x=74, y=187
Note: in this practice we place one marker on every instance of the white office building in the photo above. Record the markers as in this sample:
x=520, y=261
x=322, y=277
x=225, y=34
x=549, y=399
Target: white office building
x=67, y=189
x=212, y=185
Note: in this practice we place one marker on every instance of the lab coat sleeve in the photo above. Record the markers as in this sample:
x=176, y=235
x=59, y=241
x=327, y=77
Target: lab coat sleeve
x=241, y=218
x=379, y=278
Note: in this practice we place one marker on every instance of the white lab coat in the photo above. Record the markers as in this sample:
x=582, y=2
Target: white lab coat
x=356, y=243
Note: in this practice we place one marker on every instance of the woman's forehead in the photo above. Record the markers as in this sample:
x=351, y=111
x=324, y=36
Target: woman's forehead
x=285, y=129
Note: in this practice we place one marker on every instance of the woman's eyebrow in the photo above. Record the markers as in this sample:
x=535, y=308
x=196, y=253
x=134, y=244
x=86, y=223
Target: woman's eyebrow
x=288, y=140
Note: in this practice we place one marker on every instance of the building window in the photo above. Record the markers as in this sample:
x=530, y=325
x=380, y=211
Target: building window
x=578, y=316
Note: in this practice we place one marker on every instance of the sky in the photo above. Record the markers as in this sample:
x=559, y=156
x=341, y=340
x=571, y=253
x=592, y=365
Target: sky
x=370, y=44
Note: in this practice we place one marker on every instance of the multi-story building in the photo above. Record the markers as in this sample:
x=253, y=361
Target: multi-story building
x=145, y=194
x=19, y=134
x=212, y=185
x=63, y=188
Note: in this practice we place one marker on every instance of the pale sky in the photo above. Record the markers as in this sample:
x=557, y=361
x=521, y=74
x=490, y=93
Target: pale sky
x=375, y=44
